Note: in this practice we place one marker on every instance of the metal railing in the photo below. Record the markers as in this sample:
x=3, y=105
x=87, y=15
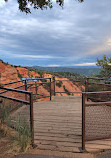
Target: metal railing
x=27, y=96
x=96, y=117
x=29, y=102
x=50, y=85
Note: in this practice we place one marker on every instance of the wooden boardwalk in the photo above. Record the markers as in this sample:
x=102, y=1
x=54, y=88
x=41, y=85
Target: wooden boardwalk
x=58, y=124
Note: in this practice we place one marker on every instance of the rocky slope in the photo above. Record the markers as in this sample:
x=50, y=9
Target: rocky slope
x=10, y=73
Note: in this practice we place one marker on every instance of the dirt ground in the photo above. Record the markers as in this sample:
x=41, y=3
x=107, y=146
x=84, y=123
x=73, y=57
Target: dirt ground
x=7, y=146
x=10, y=149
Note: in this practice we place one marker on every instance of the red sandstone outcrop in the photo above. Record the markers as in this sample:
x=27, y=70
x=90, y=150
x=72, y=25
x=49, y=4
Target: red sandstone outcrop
x=9, y=73
x=69, y=85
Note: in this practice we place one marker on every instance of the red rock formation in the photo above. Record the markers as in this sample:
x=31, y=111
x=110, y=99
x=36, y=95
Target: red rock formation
x=9, y=73
x=69, y=86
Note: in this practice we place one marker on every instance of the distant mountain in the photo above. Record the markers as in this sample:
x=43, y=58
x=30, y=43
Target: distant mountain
x=87, y=71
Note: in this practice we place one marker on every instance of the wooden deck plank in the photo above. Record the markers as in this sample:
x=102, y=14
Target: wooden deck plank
x=59, y=139
x=58, y=124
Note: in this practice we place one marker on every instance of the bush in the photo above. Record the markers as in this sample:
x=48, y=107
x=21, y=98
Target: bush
x=23, y=134
x=43, y=80
x=1, y=85
x=28, y=73
x=47, y=87
x=67, y=92
x=15, y=66
x=59, y=84
x=19, y=75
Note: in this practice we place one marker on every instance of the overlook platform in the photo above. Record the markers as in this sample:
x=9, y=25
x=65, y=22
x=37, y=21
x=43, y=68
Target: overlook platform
x=58, y=126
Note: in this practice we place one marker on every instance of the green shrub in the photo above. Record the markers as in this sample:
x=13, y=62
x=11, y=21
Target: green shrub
x=15, y=66
x=67, y=92
x=44, y=80
x=5, y=108
x=23, y=135
x=47, y=87
x=19, y=75
x=59, y=84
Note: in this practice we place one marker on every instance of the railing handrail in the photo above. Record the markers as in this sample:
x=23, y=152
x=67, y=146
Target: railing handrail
x=99, y=78
x=98, y=92
x=16, y=90
x=70, y=80
x=99, y=83
x=15, y=99
x=11, y=82
x=25, y=80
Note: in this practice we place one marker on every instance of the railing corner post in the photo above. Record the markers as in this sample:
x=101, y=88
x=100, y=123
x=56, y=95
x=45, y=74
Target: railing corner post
x=25, y=89
x=83, y=122
x=54, y=84
x=50, y=90
x=31, y=119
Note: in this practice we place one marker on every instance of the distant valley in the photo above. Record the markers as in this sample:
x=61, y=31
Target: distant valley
x=87, y=71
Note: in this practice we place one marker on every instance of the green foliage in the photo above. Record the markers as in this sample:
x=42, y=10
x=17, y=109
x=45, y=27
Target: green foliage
x=24, y=133
x=47, y=87
x=64, y=71
x=44, y=80
x=67, y=92
x=6, y=63
x=1, y=60
x=19, y=75
x=59, y=84
x=41, y=73
x=31, y=69
x=105, y=64
x=5, y=108
x=28, y=73
x=23, y=136
x=15, y=66
x=94, y=88
x=36, y=4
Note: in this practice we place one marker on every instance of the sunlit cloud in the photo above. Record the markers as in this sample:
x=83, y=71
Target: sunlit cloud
x=85, y=64
x=109, y=42
x=53, y=65
x=82, y=64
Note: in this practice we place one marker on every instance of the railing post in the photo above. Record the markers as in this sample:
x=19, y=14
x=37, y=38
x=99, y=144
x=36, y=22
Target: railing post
x=25, y=89
x=83, y=122
x=50, y=90
x=54, y=84
x=36, y=88
x=31, y=119
x=86, y=86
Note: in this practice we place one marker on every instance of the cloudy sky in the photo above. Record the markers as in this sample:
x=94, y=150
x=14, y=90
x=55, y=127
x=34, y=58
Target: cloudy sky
x=74, y=35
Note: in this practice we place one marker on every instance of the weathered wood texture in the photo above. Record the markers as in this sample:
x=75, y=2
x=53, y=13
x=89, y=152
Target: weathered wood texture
x=58, y=124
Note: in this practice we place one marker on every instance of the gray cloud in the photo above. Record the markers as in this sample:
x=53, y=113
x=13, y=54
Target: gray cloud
x=77, y=34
